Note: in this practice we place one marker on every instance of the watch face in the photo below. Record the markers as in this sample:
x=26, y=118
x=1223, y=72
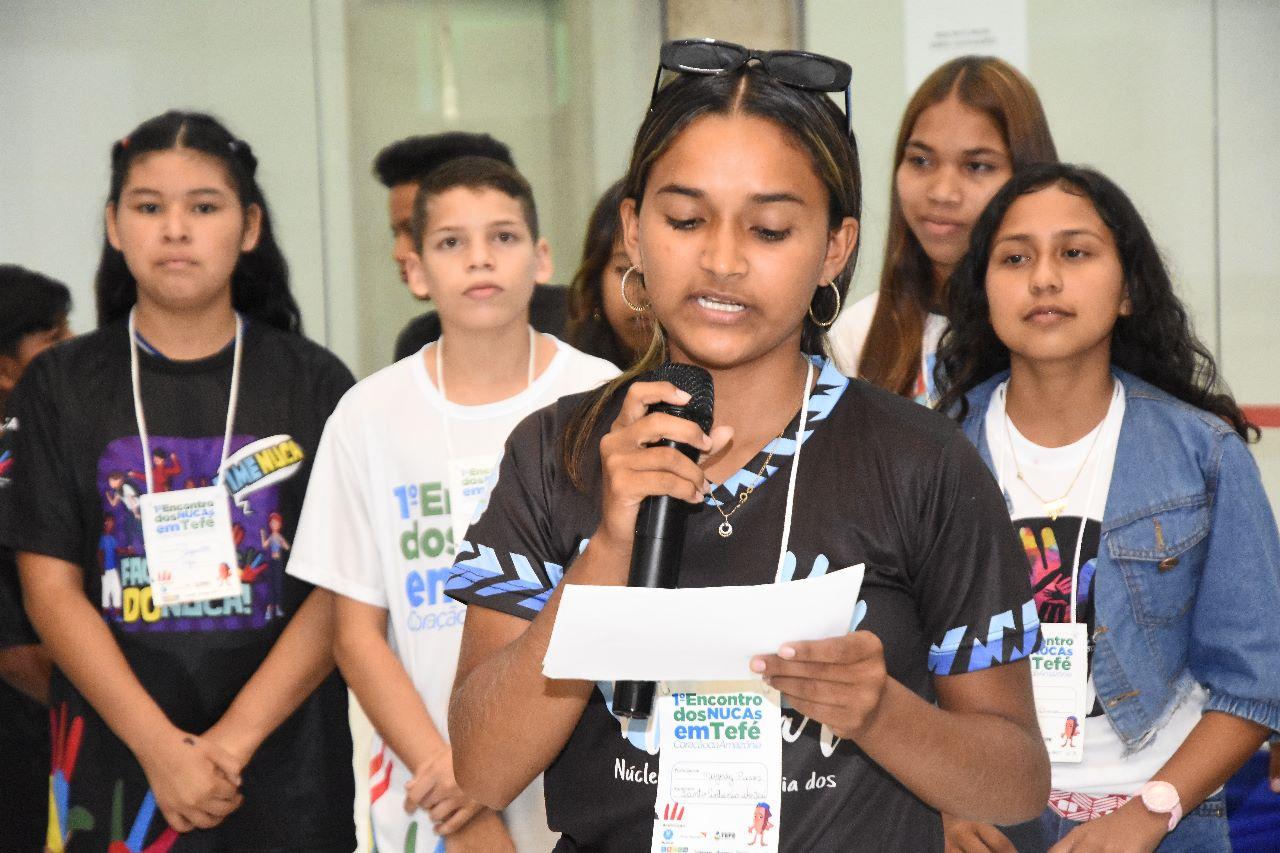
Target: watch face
x=1160, y=797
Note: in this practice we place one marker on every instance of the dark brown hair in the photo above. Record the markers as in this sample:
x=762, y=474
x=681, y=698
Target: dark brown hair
x=588, y=329
x=811, y=118
x=891, y=354
x=474, y=173
x=406, y=161
x=29, y=302
x=260, y=280
x=1155, y=342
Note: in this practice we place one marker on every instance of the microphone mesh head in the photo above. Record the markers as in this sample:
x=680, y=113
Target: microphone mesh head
x=696, y=382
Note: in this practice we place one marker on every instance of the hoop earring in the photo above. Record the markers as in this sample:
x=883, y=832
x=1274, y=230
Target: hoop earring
x=640, y=309
x=834, y=314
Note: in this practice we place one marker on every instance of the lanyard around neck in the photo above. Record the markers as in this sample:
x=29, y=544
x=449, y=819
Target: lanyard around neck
x=533, y=349
x=444, y=397
x=1116, y=392
x=136, y=375
x=795, y=466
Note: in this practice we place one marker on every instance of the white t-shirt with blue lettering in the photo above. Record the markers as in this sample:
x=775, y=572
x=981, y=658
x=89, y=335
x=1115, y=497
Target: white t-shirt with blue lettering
x=376, y=527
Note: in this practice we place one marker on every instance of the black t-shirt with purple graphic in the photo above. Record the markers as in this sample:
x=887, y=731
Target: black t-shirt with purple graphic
x=78, y=474
x=881, y=481
x=1050, y=545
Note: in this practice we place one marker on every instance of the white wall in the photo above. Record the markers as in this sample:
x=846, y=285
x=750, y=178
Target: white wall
x=1249, y=183
x=77, y=76
x=1249, y=211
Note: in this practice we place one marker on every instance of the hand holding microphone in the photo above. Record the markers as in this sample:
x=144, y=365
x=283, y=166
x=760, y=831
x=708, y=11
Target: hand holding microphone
x=652, y=482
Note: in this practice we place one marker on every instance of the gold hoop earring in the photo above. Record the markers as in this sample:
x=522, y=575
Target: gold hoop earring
x=639, y=310
x=834, y=314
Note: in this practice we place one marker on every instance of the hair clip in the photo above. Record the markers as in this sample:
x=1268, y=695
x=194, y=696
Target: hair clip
x=124, y=142
x=234, y=146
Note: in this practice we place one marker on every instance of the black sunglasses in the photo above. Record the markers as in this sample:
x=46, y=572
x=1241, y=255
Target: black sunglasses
x=796, y=68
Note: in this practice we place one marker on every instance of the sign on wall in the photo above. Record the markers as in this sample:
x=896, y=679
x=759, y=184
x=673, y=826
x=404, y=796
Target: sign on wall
x=940, y=30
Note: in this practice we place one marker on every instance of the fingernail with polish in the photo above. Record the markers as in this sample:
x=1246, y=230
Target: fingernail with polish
x=787, y=652
x=683, y=396
x=757, y=665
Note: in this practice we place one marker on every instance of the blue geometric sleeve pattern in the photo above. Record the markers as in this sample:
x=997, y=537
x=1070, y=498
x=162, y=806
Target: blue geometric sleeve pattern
x=510, y=559
x=826, y=393
x=1010, y=636
x=505, y=581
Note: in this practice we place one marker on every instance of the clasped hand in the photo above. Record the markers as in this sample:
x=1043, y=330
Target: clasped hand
x=196, y=782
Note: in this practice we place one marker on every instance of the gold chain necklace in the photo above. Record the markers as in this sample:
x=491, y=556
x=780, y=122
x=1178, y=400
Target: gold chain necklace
x=726, y=529
x=1052, y=508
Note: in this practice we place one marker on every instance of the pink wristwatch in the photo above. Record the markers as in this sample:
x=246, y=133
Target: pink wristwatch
x=1162, y=798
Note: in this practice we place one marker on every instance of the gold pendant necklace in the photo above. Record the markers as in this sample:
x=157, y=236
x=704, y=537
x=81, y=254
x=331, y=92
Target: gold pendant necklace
x=726, y=529
x=1055, y=507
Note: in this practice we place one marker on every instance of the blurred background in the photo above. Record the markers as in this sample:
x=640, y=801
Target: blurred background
x=1175, y=99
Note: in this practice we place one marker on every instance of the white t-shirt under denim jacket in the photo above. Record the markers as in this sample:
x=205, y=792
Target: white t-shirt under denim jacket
x=376, y=527
x=1180, y=581
x=1082, y=472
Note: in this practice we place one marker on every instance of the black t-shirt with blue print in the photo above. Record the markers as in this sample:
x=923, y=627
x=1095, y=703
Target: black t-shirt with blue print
x=883, y=482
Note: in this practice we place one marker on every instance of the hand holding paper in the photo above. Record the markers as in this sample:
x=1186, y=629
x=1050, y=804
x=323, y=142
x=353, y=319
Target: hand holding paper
x=838, y=681
x=609, y=633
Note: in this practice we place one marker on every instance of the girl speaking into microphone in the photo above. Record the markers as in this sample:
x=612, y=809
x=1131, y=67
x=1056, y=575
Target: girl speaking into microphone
x=740, y=220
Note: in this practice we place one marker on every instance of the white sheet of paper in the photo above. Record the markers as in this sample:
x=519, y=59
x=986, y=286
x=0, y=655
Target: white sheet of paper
x=606, y=633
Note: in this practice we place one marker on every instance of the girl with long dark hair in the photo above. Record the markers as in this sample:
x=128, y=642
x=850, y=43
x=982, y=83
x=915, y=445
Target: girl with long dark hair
x=184, y=684
x=603, y=321
x=1123, y=461
x=740, y=221
x=260, y=277
x=970, y=124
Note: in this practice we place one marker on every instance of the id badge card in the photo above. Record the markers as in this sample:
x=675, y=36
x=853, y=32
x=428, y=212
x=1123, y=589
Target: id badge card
x=191, y=555
x=719, y=767
x=468, y=481
x=1059, y=678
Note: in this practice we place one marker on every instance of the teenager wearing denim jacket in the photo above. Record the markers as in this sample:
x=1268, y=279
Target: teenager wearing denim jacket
x=1073, y=369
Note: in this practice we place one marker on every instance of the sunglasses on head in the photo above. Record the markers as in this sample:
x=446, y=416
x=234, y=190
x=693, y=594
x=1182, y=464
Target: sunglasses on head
x=796, y=68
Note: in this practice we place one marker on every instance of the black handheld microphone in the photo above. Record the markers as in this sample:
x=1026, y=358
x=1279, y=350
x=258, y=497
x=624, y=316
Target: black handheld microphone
x=660, y=522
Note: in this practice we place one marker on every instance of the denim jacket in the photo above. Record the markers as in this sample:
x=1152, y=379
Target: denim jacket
x=1187, y=587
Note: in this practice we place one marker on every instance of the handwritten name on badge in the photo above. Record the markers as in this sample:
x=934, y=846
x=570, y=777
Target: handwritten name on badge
x=1059, y=679
x=720, y=766
x=191, y=554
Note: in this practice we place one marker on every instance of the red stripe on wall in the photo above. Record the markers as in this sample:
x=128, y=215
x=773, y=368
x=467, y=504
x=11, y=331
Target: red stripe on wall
x=1263, y=416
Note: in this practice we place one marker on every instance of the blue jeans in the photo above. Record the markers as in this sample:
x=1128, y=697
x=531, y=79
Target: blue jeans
x=1202, y=831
